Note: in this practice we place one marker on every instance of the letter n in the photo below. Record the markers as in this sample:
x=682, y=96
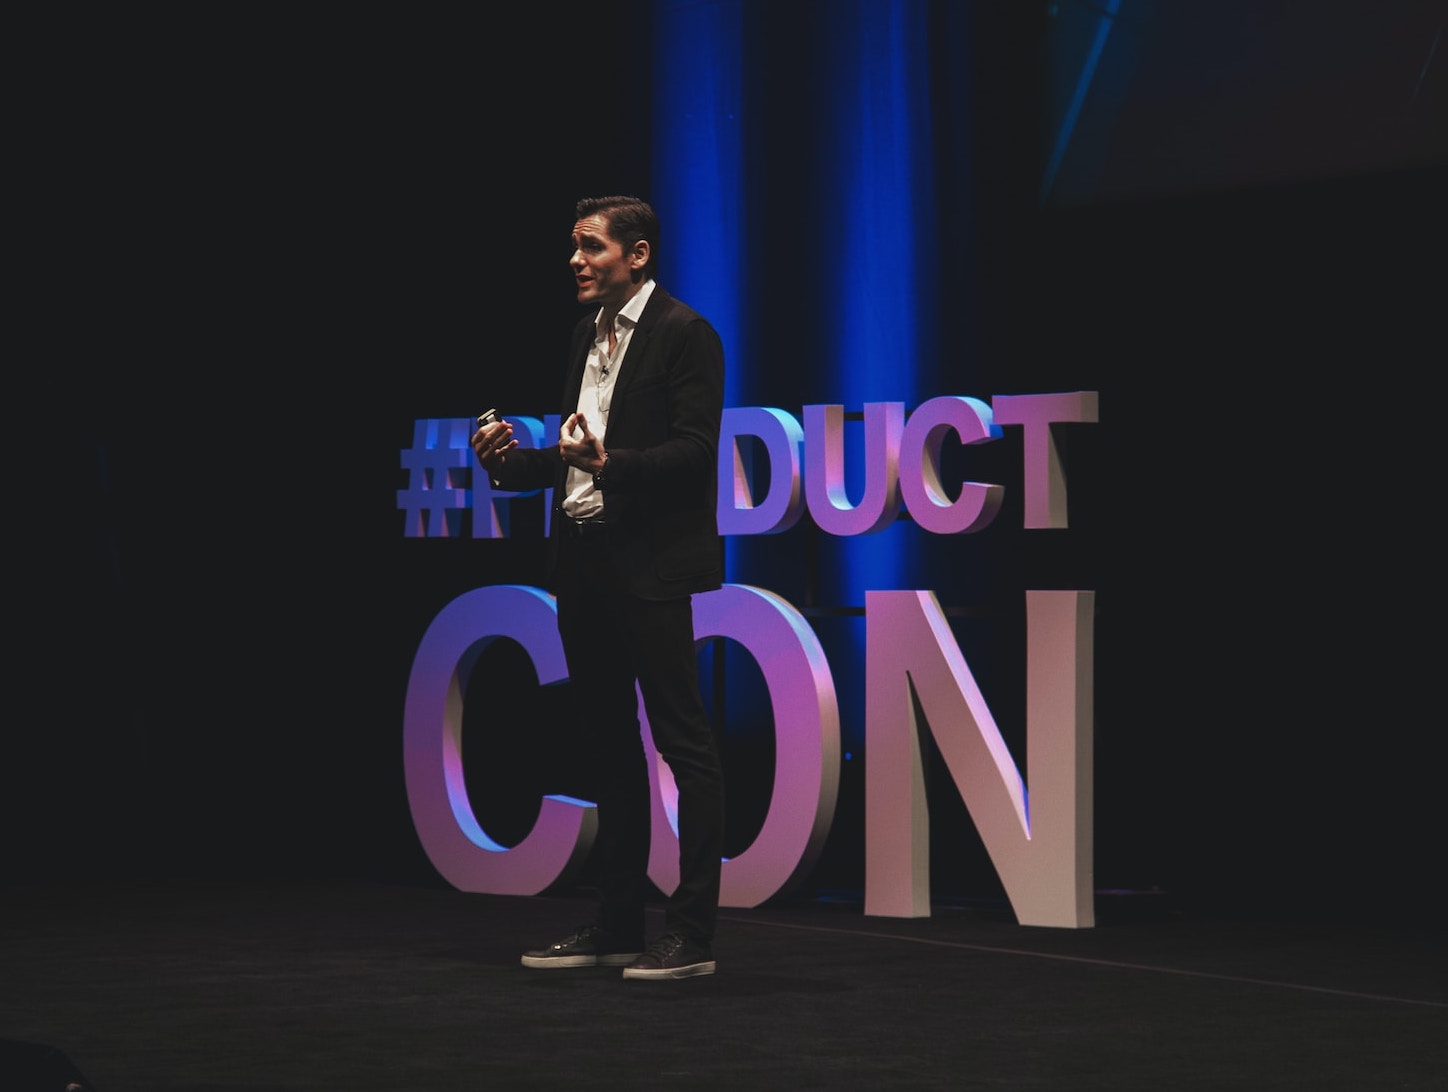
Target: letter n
x=1041, y=844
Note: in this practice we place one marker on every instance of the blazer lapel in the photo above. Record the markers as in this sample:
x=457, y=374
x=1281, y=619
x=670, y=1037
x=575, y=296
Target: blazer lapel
x=639, y=343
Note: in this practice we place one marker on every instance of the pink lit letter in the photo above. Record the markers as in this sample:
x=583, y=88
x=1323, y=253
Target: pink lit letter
x=1045, y=480
x=824, y=468
x=1042, y=849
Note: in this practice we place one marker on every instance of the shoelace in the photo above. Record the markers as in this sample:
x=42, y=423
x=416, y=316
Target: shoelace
x=583, y=934
x=665, y=946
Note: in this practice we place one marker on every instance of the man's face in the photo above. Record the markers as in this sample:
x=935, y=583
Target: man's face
x=603, y=271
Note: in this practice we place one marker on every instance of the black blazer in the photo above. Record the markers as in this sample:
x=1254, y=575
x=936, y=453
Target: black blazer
x=661, y=491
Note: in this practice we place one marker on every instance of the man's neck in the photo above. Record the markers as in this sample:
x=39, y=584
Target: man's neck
x=608, y=314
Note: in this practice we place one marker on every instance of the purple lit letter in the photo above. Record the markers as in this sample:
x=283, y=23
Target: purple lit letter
x=925, y=497
x=740, y=512
x=1045, y=479
x=807, y=748
x=458, y=847
x=824, y=468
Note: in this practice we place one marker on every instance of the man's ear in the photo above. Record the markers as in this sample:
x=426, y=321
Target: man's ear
x=639, y=257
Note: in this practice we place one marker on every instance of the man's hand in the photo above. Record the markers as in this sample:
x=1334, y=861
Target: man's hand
x=580, y=447
x=491, y=445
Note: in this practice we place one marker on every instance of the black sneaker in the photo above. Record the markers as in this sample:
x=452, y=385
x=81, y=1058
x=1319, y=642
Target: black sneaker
x=673, y=955
x=586, y=946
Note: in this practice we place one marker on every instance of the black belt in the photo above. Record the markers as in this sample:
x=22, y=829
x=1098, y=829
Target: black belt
x=583, y=528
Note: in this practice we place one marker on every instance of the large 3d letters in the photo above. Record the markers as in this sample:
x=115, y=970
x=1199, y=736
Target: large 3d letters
x=806, y=746
x=1041, y=847
x=458, y=847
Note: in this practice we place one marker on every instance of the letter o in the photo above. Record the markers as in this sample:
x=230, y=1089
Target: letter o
x=807, y=748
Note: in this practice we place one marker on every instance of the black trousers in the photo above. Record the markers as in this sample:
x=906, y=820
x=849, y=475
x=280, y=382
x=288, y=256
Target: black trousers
x=612, y=640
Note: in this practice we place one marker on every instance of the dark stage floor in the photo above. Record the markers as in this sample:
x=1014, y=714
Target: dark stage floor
x=357, y=985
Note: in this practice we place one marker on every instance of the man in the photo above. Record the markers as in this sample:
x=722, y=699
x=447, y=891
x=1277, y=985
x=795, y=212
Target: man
x=633, y=536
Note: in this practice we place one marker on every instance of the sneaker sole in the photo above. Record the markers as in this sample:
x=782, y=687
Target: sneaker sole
x=693, y=970
x=612, y=959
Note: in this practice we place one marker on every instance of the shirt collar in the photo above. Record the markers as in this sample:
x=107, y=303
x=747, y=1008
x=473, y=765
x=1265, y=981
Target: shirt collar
x=630, y=311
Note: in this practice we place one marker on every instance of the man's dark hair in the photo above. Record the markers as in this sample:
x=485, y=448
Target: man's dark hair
x=629, y=219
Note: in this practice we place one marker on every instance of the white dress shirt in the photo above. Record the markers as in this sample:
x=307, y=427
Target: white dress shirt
x=600, y=374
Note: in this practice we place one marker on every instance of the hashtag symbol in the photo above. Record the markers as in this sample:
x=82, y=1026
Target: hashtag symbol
x=438, y=464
